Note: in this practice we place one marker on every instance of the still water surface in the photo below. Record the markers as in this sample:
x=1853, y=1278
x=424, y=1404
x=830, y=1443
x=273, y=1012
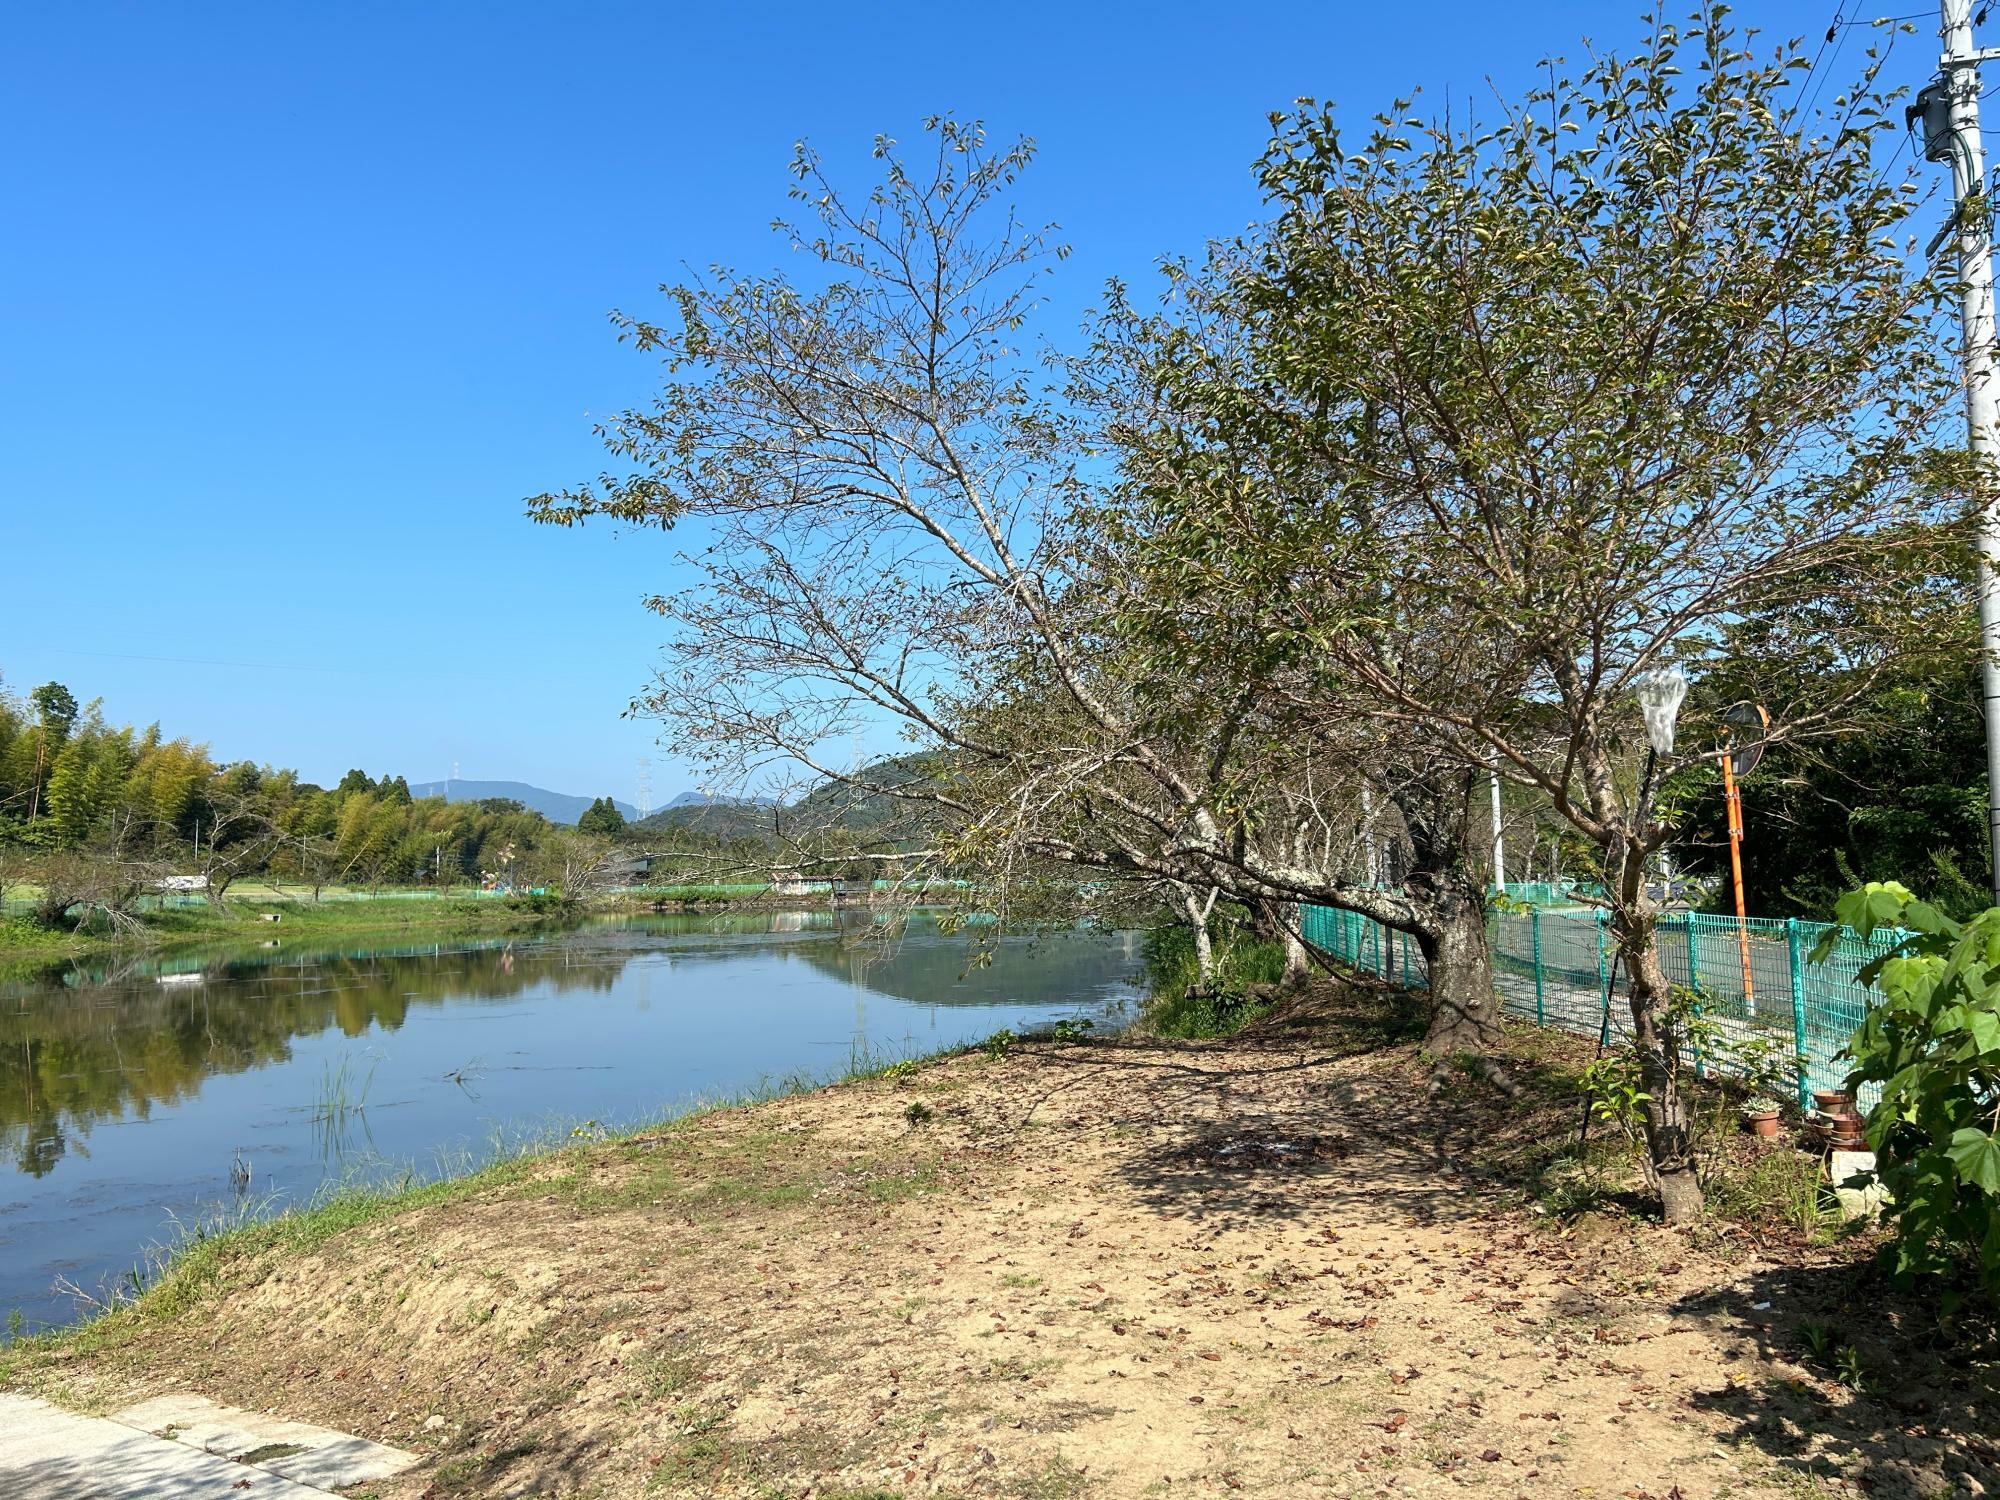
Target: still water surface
x=140, y=1094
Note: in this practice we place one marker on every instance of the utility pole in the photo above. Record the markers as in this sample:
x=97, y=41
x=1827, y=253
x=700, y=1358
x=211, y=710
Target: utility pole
x=1949, y=109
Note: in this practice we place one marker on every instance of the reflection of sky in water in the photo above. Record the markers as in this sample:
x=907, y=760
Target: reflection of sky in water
x=133, y=1093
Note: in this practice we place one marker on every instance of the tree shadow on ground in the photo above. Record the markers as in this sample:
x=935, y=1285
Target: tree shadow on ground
x=1926, y=1418
x=1231, y=1134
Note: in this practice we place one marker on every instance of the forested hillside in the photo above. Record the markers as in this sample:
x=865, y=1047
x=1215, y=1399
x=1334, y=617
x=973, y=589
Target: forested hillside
x=88, y=807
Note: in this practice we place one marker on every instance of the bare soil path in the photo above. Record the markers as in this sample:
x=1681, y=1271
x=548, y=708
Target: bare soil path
x=1270, y=1266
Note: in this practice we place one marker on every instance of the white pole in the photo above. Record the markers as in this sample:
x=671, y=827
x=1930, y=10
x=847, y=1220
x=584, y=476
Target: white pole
x=1499, y=843
x=1368, y=834
x=1960, y=66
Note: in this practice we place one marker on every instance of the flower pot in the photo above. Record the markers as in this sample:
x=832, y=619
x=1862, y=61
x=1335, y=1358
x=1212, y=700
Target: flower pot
x=1766, y=1124
x=1836, y=1104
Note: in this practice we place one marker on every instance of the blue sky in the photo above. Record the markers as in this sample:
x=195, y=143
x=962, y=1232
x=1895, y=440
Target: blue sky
x=298, y=301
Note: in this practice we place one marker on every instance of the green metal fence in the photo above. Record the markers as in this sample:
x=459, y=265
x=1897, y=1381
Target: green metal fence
x=1557, y=967
x=1551, y=892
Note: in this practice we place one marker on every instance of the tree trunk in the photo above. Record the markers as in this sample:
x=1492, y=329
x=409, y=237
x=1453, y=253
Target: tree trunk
x=1465, y=1010
x=1196, y=914
x=1297, y=963
x=1204, y=954
x=1669, y=1135
x=1436, y=810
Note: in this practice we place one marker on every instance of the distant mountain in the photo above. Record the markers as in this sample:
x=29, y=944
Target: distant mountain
x=831, y=804
x=712, y=799
x=557, y=807
x=720, y=817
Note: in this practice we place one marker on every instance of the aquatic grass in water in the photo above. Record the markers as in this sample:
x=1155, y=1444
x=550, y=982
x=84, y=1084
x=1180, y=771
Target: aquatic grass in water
x=342, y=1104
x=343, y=1092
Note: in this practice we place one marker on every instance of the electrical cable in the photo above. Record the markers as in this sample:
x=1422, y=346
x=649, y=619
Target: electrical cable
x=1836, y=34
x=1813, y=67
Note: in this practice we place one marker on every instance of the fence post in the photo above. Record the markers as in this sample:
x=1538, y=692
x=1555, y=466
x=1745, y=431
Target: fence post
x=1798, y=1006
x=1535, y=925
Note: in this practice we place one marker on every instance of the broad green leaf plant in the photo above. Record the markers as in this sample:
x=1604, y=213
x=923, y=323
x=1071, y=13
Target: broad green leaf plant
x=1933, y=1045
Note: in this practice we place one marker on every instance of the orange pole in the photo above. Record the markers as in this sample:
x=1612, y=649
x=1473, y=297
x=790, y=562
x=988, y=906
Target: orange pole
x=1733, y=800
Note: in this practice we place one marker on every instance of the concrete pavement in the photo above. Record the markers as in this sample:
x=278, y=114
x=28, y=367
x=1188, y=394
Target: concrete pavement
x=178, y=1448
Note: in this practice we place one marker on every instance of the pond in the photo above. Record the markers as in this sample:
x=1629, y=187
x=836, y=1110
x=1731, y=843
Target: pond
x=142, y=1095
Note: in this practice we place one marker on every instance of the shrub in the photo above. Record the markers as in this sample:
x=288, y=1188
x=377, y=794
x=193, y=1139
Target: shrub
x=1933, y=1044
x=1179, y=1006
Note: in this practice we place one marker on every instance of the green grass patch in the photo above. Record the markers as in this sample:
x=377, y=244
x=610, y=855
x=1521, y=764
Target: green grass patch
x=1181, y=1007
x=298, y=917
x=896, y=1187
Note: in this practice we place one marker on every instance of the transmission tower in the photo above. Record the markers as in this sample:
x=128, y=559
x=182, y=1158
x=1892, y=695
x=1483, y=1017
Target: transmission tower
x=643, y=785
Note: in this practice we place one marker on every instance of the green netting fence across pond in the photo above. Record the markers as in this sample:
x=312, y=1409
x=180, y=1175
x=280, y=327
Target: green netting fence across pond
x=1556, y=966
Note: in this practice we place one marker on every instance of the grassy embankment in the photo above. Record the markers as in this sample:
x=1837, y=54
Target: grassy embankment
x=1278, y=1263
x=246, y=920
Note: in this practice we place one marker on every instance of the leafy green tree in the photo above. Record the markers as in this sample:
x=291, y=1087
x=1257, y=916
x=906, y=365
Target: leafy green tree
x=56, y=707
x=603, y=818
x=55, y=711
x=1498, y=416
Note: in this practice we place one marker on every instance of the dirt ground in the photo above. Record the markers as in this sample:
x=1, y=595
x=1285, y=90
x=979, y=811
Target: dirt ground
x=1275, y=1265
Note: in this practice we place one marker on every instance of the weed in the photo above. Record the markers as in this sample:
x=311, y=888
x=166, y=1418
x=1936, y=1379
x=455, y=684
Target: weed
x=1000, y=1044
x=1823, y=1346
x=269, y=1451
x=917, y=1112
x=900, y=1072
x=895, y=1187
x=1849, y=1371
x=664, y=1373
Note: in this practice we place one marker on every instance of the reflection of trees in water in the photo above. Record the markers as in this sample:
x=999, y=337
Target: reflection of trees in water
x=69, y=1059
x=107, y=1041
x=931, y=970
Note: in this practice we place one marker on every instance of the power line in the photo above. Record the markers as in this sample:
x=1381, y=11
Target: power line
x=1813, y=67
x=1837, y=35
